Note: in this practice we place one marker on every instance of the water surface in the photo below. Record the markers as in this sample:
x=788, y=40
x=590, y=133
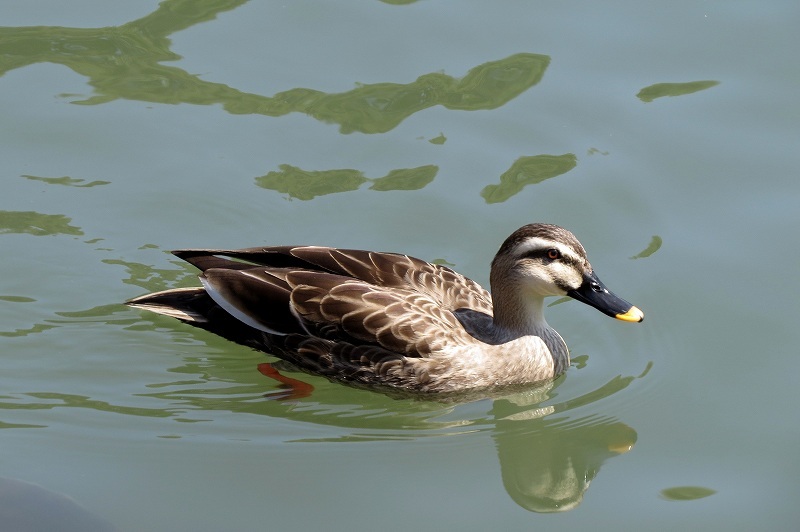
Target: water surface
x=662, y=135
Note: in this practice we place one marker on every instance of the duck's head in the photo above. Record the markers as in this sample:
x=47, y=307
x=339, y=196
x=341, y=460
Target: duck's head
x=540, y=260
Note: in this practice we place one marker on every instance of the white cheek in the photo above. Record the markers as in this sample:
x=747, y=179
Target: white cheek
x=539, y=282
x=568, y=276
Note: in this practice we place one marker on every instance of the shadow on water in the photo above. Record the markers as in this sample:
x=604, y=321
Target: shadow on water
x=26, y=507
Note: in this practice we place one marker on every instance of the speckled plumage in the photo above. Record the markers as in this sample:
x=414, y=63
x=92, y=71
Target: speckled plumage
x=390, y=320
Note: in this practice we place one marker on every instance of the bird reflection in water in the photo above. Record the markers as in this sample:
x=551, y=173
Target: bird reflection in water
x=547, y=463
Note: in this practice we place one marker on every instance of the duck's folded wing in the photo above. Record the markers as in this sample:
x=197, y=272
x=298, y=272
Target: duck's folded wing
x=240, y=259
x=449, y=288
x=401, y=321
x=341, y=308
x=254, y=296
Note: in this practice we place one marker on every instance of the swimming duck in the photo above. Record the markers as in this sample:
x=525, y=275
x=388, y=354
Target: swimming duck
x=394, y=321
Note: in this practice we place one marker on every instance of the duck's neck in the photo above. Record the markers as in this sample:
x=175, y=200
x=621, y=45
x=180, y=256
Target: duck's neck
x=517, y=314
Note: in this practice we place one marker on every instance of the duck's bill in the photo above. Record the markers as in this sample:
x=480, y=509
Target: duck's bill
x=595, y=294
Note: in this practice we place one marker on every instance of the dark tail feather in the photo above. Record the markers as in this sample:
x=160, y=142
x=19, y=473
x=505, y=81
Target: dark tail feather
x=191, y=305
x=195, y=307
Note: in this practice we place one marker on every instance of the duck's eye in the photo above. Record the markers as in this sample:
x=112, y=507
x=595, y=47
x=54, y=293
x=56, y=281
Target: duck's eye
x=553, y=254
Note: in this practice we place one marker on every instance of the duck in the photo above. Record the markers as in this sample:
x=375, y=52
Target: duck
x=392, y=321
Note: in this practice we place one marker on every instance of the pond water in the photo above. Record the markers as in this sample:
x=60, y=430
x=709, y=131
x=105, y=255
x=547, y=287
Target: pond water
x=663, y=134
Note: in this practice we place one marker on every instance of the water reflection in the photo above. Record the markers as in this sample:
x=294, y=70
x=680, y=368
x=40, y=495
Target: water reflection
x=146, y=275
x=686, y=493
x=66, y=181
x=17, y=299
x=438, y=140
x=548, y=454
x=52, y=400
x=126, y=62
x=660, y=90
x=528, y=171
x=652, y=247
x=547, y=463
x=141, y=275
x=35, y=223
x=306, y=185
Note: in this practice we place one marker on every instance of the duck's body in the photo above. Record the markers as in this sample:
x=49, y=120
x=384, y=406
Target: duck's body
x=384, y=319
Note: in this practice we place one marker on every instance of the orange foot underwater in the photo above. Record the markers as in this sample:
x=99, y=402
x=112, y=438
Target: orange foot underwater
x=294, y=389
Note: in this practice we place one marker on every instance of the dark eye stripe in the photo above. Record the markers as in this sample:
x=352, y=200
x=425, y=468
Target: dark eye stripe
x=541, y=254
x=534, y=254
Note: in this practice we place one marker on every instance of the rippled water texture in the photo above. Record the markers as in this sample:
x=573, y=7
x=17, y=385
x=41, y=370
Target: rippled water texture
x=662, y=135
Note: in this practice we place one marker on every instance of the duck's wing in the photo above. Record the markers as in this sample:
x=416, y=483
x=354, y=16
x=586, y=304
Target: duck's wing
x=390, y=270
x=336, y=308
x=391, y=301
x=448, y=288
x=399, y=320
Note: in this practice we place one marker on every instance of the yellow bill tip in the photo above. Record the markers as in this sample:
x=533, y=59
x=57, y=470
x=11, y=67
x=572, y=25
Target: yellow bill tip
x=634, y=314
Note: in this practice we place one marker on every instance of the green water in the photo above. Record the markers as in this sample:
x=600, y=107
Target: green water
x=663, y=134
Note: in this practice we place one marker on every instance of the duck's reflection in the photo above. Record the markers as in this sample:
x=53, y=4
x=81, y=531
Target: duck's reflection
x=548, y=456
x=548, y=453
x=547, y=463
